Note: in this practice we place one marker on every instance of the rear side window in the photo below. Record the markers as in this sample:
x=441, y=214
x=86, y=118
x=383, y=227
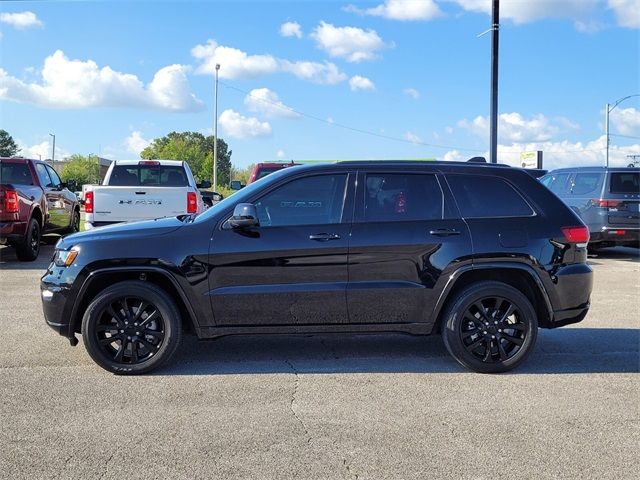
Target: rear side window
x=480, y=196
x=148, y=175
x=623, y=182
x=396, y=197
x=587, y=182
x=15, y=173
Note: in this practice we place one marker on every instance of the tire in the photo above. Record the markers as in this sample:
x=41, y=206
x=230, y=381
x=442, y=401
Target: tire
x=28, y=248
x=75, y=223
x=497, y=338
x=138, y=346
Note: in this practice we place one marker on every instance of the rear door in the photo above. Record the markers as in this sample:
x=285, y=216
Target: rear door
x=403, y=239
x=292, y=268
x=623, y=193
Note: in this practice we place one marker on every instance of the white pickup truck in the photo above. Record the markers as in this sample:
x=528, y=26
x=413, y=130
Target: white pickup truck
x=142, y=190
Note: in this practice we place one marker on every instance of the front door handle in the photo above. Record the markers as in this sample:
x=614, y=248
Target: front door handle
x=444, y=232
x=324, y=237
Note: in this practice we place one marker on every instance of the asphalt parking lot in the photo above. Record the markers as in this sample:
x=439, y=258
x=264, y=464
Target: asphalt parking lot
x=383, y=406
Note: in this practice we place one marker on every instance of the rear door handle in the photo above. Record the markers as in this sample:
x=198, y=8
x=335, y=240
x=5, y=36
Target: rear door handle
x=324, y=237
x=444, y=232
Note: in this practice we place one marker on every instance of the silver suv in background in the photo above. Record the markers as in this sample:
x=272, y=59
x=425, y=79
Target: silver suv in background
x=607, y=200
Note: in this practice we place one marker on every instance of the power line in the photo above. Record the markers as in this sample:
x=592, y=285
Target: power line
x=389, y=137
x=623, y=136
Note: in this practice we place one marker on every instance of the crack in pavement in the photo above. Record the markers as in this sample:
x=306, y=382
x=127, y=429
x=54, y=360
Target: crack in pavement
x=348, y=467
x=106, y=465
x=293, y=401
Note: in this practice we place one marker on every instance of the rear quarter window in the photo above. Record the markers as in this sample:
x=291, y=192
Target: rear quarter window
x=482, y=196
x=586, y=182
x=625, y=182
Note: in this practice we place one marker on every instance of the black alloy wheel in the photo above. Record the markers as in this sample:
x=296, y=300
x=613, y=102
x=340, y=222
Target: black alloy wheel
x=131, y=327
x=490, y=327
x=29, y=248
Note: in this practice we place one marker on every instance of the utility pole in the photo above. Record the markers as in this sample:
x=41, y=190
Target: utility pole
x=495, y=42
x=53, y=154
x=215, y=133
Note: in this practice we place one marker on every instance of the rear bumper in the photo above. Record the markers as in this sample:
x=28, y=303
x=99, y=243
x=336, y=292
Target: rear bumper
x=616, y=236
x=570, y=293
x=12, y=230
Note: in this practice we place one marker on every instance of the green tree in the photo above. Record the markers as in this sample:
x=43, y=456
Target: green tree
x=8, y=147
x=195, y=149
x=81, y=169
x=242, y=174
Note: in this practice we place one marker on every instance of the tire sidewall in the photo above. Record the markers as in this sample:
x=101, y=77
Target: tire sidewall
x=24, y=250
x=454, y=317
x=168, y=311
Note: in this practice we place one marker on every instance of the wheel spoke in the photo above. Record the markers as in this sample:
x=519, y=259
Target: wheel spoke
x=514, y=340
x=134, y=352
x=106, y=328
x=508, y=313
x=123, y=347
x=469, y=333
x=150, y=346
x=154, y=334
x=141, y=308
x=498, y=307
x=110, y=340
x=481, y=309
x=503, y=354
x=515, y=326
x=471, y=347
x=115, y=315
x=487, y=355
x=152, y=316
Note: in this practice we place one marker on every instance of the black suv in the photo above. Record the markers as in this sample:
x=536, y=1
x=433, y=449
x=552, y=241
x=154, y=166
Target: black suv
x=483, y=254
x=606, y=199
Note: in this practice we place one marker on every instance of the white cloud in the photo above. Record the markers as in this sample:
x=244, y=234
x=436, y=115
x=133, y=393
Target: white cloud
x=627, y=12
x=291, y=29
x=401, y=10
x=280, y=154
x=412, y=92
x=40, y=150
x=455, y=156
x=330, y=120
x=357, y=83
x=412, y=137
x=236, y=64
x=351, y=43
x=626, y=121
x=239, y=126
x=520, y=11
x=21, y=20
x=322, y=73
x=267, y=102
x=69, y=83
x=514, y=127
x=135, y=143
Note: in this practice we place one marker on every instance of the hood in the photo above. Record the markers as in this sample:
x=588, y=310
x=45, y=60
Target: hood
x=142, y=229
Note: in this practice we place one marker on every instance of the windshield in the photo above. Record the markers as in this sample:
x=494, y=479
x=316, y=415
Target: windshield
x=148, y=175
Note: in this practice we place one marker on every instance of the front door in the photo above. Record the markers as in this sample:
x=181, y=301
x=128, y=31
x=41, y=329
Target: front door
x=405, y=238
x=55, y=204
x=292, y=268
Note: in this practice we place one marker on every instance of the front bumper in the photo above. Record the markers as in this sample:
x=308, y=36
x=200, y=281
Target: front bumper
x=54, y=306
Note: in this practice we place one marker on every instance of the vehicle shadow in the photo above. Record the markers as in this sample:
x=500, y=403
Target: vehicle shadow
x=615, y=253
x=561, y=351
x=8, y=260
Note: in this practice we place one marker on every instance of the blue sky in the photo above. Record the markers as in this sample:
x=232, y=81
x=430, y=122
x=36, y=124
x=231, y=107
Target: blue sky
x=303, y=80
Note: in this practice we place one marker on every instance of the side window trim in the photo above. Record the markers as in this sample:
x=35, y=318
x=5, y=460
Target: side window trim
x=54, y=177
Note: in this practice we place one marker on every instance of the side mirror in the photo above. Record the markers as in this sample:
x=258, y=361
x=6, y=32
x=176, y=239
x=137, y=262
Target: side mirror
x=244, y=215
x=235, y=185
x=204, y=184
x=70, y=184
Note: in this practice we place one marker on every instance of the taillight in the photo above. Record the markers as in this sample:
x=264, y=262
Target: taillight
x=88, y=202
x=576, y=234
x=192, y=202
x=599, y=202
x=10, y=202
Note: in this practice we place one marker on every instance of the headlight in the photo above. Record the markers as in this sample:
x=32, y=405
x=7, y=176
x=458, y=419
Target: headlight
x=64, y=258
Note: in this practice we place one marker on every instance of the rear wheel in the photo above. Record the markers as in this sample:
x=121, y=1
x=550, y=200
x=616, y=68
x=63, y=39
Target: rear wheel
x=131, y=328
x=28, y=248
x=490, y=327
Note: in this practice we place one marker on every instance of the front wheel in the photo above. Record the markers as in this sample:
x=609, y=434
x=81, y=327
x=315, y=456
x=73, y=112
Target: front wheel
x=74, y=226
x=490, y=327
x=131, y=328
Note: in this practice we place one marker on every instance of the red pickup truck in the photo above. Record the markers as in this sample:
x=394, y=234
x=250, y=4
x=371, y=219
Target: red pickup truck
x=33, y=201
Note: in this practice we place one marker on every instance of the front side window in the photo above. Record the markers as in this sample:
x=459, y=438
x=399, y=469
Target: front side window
x=396, y=197
x=43, y=175
x=481, y=196
x=316, y=200
x=55, y=179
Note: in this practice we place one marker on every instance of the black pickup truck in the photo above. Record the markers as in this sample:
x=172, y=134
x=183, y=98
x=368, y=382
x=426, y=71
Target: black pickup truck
x=33, y=201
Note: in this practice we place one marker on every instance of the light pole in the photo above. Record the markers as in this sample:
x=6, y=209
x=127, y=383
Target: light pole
x=495, y=43
x=607, y=111
x=53, y=154
x=215, y=133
